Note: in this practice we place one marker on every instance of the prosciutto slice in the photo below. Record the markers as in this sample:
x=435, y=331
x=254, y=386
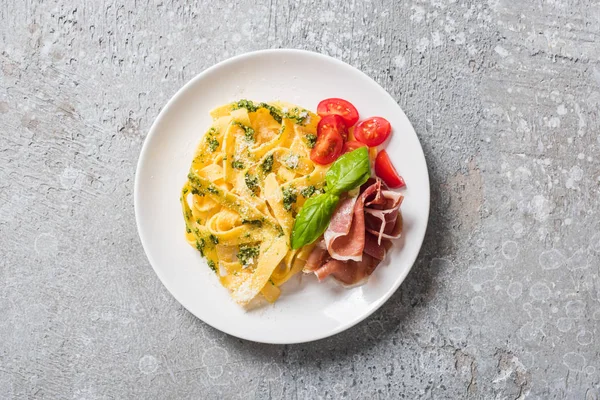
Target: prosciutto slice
x=373, y=248
x=345, y=236
x=358, y=235
x=383, y=218
x=348, y=272
x=317, y=257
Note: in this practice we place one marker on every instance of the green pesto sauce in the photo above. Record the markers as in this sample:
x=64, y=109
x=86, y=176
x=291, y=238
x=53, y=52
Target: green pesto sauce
x=267, y=164
x=198, y=192
x=289, y=198
x=213, y=144
x=251, y=182
x=247, y=254
x=274, y=111
x=295, y=114
x=248, y=132
x=200, y=246
x=308, y=191
x=247, y=104
x=255, y=222
x=311, y=140
x=214, y=239
x=211, y=265
x=237, y=164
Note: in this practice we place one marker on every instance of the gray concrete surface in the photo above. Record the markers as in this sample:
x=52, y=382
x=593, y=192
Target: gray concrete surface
x=504, y=301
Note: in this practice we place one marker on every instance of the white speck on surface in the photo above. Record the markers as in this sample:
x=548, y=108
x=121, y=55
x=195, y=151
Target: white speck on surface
x=501, y=51
x=540, y=291
x=460, y=38
x=69, y=178
x=478, y=304
x=575, y=175
x=148, y=364
x=564, y=324
x=422, y=45
x=561, y=109
x=575, y=309
x=514, y=290
x=437, y=39
x=418, y=13
x=400, y=61
x=510, y=250
x=585, y=338
x=541, y=208
x=554, y=122
x=518, y=229
x=46, y=245
x=552, y=259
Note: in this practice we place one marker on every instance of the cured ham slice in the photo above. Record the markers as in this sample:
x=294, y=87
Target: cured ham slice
x=345, y=235
x=373, y=248
x=317, y=257
x=359, y=235
x=348, y=272
x=384, y=219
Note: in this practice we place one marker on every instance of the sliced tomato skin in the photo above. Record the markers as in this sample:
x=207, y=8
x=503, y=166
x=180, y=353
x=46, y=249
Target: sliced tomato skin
x=386, y=171
x=332, y=122
x=328, y=147
x=341, y=107
x=373, y=131
x=351, y=145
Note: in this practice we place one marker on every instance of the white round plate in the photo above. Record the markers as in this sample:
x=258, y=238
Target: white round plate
x=307, y=310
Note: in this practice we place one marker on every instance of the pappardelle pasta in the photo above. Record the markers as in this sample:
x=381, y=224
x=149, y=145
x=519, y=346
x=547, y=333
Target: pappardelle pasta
x=250, y=175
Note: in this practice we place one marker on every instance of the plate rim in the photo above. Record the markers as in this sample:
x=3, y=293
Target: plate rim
x=144, y=154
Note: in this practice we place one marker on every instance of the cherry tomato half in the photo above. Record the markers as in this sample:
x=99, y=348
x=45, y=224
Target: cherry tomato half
x=352, y=145
x=332, y=122
x=328, y=147
x=340, y=107
x=386, y=171
x=373, y=131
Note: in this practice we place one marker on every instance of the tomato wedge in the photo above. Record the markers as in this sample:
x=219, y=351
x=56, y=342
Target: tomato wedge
x=386, y=171
x=333, y=122
x=329, y=143
x=373, y=131
x=352, y=145
x=340, y=107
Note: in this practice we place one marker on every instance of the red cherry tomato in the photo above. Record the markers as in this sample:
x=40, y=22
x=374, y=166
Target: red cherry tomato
x=328, y=147
x=332, y=122
x=352, y=145
x=340, y=107
x=386, y=171
x=373, y=131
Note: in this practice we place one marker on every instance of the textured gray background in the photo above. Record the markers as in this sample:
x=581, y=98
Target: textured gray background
x=504, y=301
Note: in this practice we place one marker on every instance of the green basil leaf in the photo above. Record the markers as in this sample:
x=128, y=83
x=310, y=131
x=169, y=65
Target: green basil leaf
x=349, y=171
x=313, y=219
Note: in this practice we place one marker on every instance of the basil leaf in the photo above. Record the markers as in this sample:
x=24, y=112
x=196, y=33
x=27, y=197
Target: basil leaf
x=313, y=219
x=349, y=171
